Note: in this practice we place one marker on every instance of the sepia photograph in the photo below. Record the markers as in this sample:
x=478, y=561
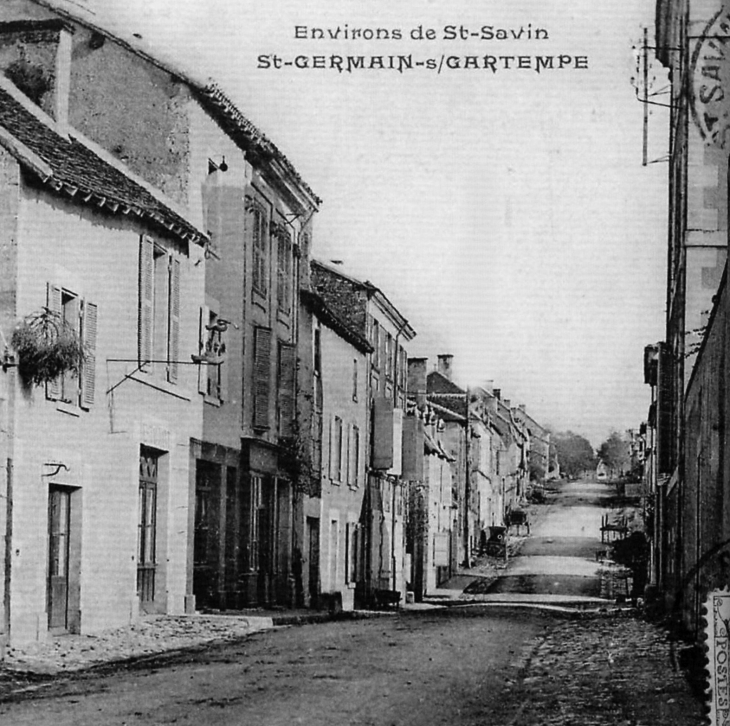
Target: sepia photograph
x=362, y=363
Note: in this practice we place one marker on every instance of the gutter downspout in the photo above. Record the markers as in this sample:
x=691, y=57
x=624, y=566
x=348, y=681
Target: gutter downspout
x=467, y=484
x=395, y=401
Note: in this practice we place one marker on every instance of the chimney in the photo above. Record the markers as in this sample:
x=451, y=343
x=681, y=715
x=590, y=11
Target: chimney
x=62, y=89
x=445, y=361
x=417, y=379
x=497, y=393
x=522, y=408
x=507, y=403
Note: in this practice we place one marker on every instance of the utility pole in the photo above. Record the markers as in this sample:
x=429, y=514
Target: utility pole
x=645, y=71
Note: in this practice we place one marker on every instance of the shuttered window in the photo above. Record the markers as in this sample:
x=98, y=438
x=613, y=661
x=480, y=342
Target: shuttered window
x=173, y=338
x=158, y=340
x=88, y=369
x=287, y=389
x=257, y=238
x=53, y=303
x=146, y=298
x=336, y=450
x=261, y=377
x=80, y=317
x=355, y=457
x=284, y=272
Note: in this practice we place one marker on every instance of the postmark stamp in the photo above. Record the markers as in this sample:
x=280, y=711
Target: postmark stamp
x=710, y=87
x=718, y=644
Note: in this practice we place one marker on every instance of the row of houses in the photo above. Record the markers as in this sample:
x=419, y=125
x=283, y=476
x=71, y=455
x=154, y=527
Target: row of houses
x=685, y=439
x=194, y=413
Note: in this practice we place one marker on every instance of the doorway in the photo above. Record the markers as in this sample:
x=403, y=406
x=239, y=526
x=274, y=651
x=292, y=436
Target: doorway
x=147, y=529
x=59, y=535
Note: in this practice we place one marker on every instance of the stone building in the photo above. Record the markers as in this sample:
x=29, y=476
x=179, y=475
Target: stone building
x=220, y=406
x=95, y=465
x=333, y=556
x=690, y=45
x=368, y=311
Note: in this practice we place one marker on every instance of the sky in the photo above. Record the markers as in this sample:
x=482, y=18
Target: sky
x=505, y=212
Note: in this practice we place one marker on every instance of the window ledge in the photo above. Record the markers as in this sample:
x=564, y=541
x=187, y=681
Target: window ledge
x=68, y=408
x=212, y=400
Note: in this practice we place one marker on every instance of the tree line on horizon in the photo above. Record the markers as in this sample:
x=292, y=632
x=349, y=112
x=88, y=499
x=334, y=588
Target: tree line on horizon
x=576, y=455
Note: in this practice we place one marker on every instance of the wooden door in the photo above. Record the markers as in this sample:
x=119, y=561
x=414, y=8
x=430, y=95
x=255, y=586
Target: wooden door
x=147, y=529
x=59, y=515
x=313, y=556
x=206, y=574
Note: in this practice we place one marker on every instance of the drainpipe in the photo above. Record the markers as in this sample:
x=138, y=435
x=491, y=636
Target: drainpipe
x=467, y=484
x=395, y=401
x=7, y=601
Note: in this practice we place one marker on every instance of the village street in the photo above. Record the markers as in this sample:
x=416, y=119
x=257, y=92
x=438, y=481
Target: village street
x=553, y=654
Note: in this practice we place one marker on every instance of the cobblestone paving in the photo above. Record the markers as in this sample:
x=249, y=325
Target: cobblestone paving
x=603, y=671
x=152, y=634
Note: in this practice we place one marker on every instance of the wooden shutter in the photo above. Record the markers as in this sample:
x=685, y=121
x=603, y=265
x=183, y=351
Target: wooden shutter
x=54, y=304
x=382, y=433
x=331, y=451
x=202, y=342
x=173, y=334
x=665, y=406
x=146, y=298
x=287, y=389
x=261, y=377
x=88, y=369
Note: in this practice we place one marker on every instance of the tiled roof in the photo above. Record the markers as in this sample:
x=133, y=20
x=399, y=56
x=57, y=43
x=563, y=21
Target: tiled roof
x=345, y=296
x=80, y=173
x=329, y=317
x=223, y=110
x=246, y=135
x=438, y=383
x=449, y=408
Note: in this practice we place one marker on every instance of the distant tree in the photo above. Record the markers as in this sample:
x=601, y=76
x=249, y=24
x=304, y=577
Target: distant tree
x=537, y=467
x=574, y=453
x=614, y=452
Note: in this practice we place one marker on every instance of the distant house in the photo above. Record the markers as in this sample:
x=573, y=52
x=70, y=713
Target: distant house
x=602, y=471
x=366, y=310
x=333, y=563
x=540, y=466
x=432, y=471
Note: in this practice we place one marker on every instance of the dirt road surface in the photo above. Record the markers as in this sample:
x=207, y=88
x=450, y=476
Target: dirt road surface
x=533, y=661
x=438, y=667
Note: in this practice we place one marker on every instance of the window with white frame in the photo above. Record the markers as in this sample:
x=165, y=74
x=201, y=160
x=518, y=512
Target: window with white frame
x=159, y=309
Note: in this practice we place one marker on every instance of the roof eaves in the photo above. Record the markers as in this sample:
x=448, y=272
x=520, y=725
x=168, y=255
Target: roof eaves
x=330, y=318
x=24, y=155
x=223, y=109
x=43, y=168
x=388, y=307
x=249, y=137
